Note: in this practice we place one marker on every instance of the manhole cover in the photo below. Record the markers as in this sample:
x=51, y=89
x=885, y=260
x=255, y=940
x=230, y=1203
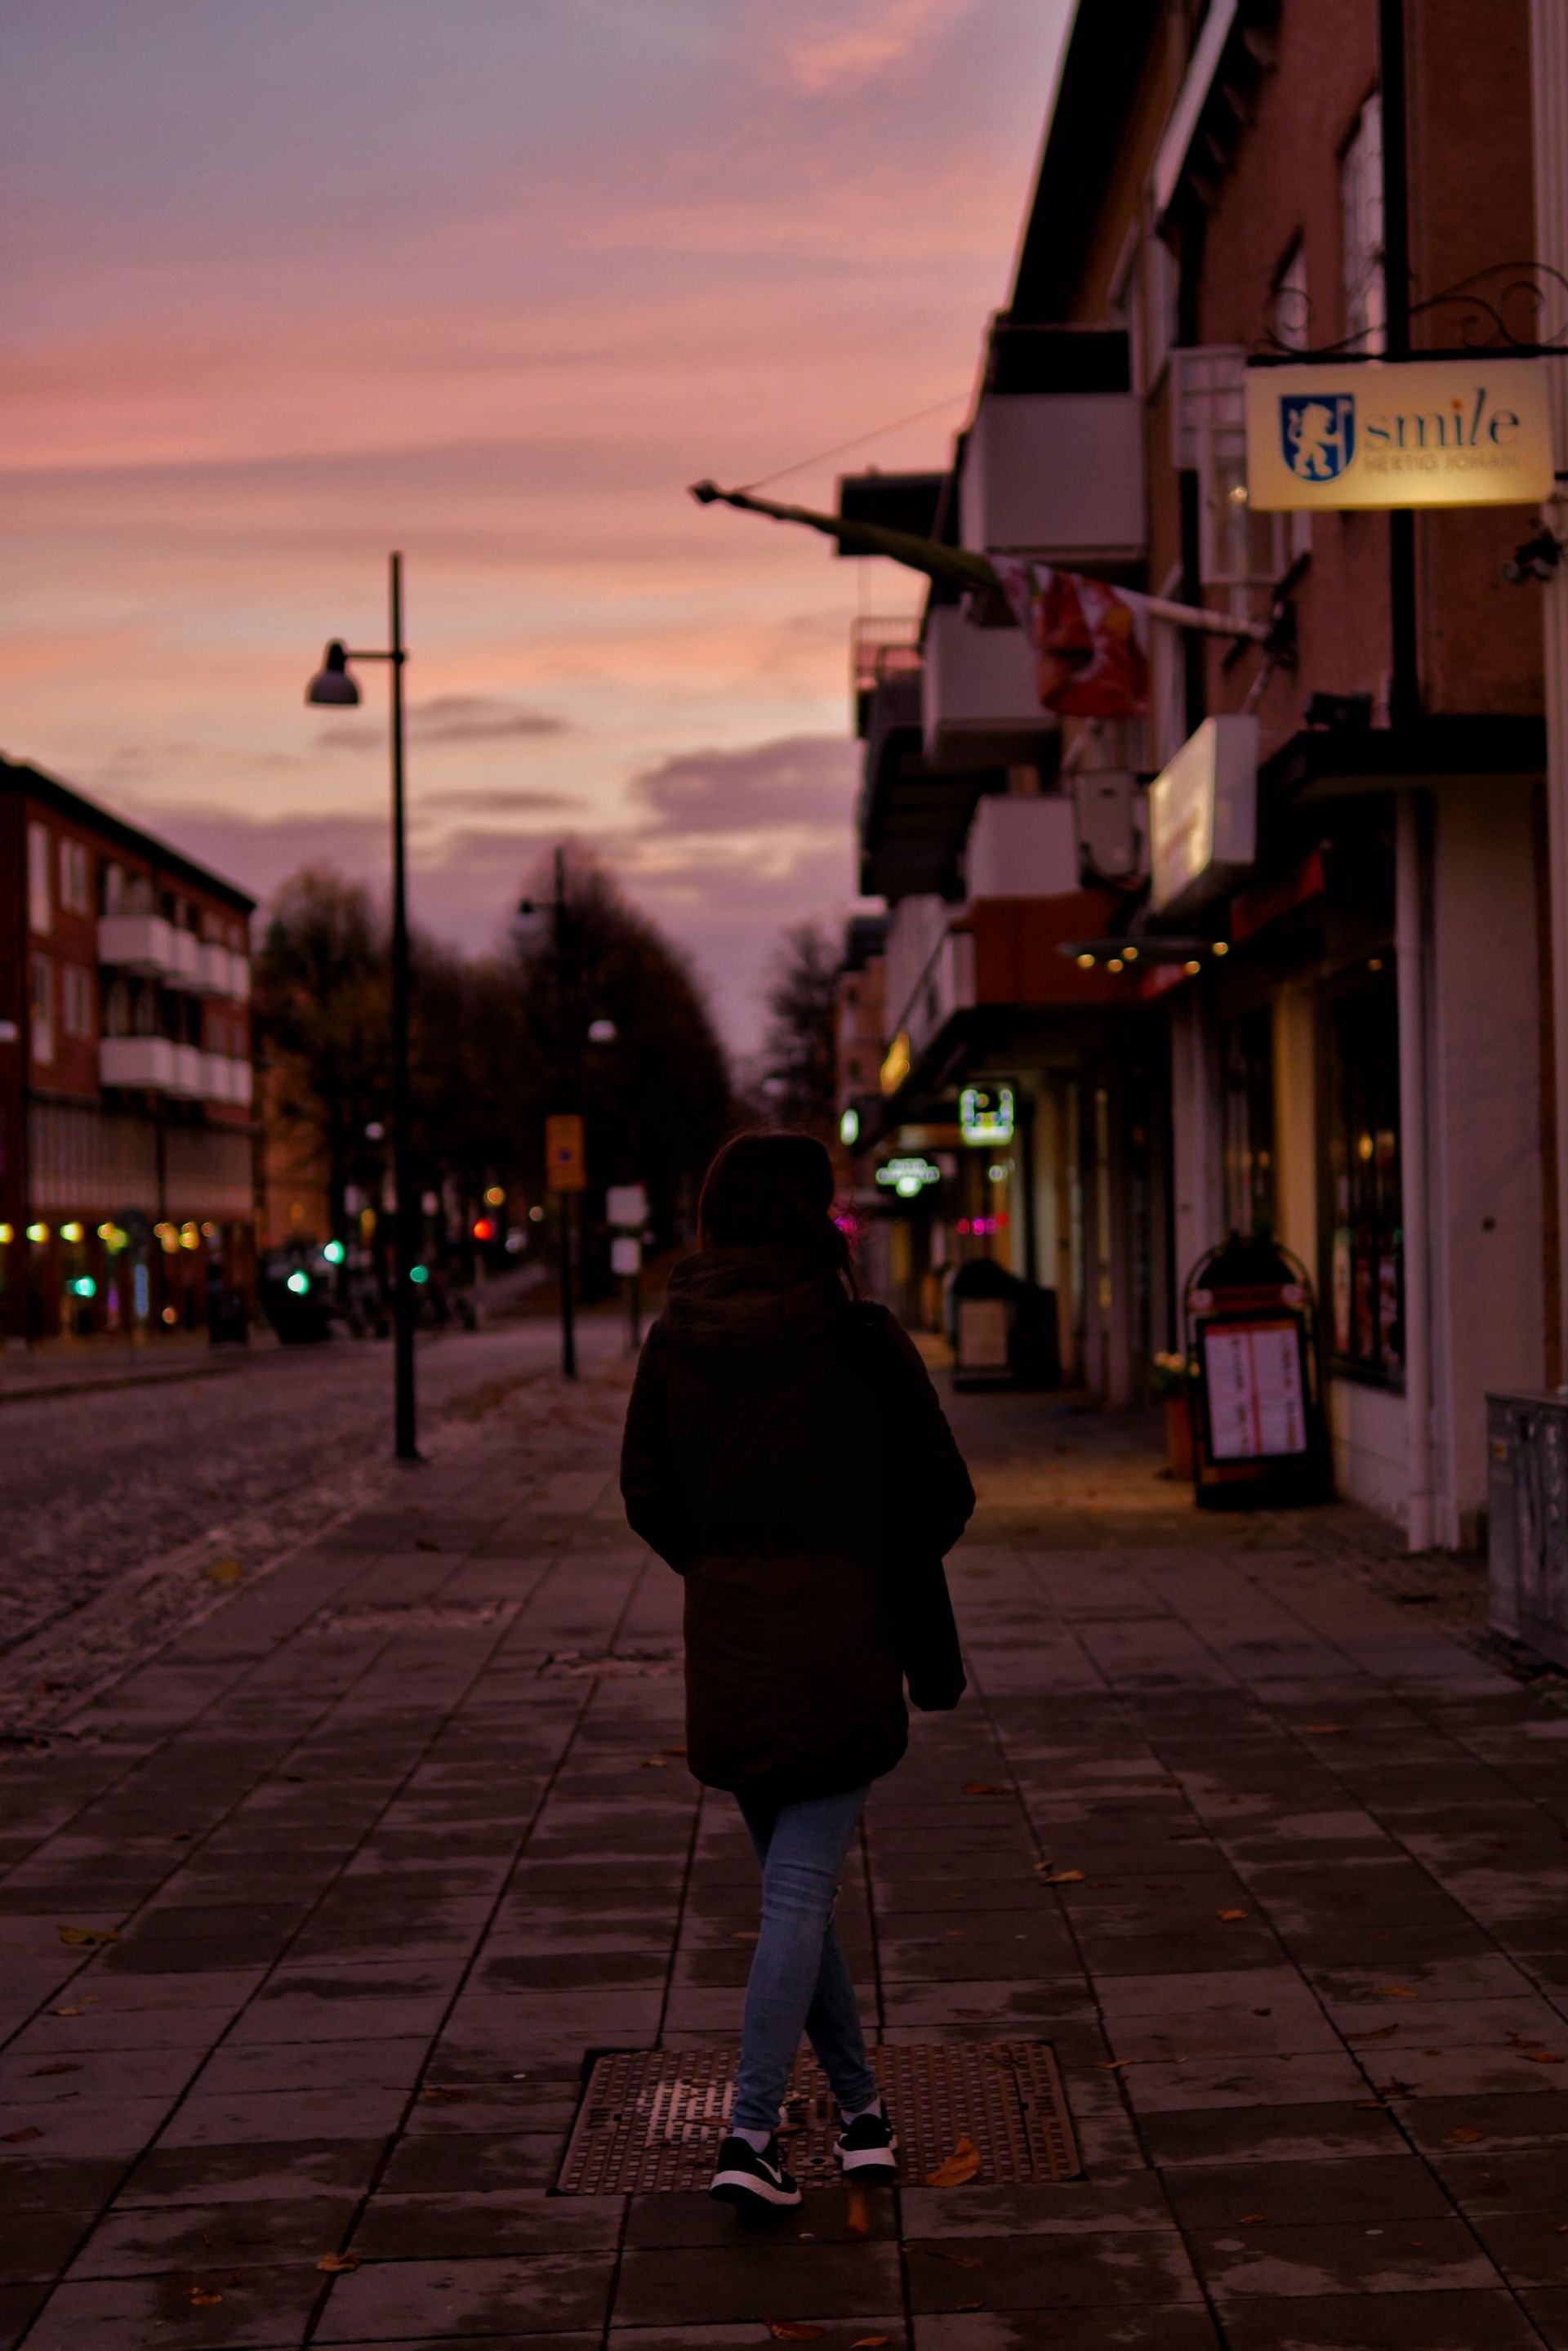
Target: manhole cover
x=416, y=1617
x=579, y=1664
x=651, y=2119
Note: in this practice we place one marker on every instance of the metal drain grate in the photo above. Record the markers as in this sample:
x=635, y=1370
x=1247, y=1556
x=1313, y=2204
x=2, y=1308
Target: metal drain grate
x=651, y=2119
x=416, y=1617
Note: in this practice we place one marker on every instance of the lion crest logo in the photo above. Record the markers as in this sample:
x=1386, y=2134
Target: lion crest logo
x=1317, y=434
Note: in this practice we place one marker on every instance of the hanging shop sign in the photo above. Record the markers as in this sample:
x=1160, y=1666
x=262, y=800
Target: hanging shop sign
x=1203, y=815
x=908, y=1178
x=986, y=1113
x=895, y=1067
x=1473, y=431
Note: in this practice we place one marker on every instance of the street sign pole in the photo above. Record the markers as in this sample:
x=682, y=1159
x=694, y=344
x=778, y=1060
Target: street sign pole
x=566, y=1176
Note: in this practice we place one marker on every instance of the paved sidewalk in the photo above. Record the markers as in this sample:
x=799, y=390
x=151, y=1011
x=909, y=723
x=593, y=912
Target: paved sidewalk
x=381, y=1854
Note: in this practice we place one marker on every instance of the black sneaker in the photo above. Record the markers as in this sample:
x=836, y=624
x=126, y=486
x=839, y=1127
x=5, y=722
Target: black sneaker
x=752, y=2182
x=868, y=2145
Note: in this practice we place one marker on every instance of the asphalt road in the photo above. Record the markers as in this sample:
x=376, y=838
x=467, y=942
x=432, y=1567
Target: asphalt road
x=98, y=1488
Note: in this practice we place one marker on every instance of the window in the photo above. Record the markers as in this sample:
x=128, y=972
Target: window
x=74, y=899
x=1292, y=322
x=75, y=1000
x=1366, y=1257
x=1361, y=221
x=1246, y=1056
x=1241, y=550
x=40, y=910
x=41, y=1008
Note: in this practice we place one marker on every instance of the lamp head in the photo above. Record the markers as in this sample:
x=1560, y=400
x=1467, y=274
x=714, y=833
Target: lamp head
x=332, y=682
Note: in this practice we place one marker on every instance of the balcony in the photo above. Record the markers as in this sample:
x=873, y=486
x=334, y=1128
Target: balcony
x=226, y=1079
x=1059, y=476
x=979, y=706
x=1022, y=847
x=146, y=1063
x=143, y=944
x=185, y=959
x=188, y=1077
x=212, y=970
x=879, y=652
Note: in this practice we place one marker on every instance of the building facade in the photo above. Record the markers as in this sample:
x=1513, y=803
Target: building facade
x=1344, y=1035
x=127, y=1141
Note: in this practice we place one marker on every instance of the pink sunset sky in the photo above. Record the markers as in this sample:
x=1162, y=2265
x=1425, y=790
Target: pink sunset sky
x=287, y=283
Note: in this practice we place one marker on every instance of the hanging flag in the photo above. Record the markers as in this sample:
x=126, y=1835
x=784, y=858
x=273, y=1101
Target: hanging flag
x=1091, y=640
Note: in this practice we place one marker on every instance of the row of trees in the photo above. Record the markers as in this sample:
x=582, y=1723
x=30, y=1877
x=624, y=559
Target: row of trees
x=497, y=1041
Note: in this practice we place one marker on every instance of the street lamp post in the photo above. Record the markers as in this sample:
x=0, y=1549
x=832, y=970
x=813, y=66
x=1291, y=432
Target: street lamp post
x=334, y=685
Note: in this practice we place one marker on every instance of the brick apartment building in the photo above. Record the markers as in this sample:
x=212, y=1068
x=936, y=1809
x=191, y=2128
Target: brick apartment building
x=1348, y=1039
x=127, y=1142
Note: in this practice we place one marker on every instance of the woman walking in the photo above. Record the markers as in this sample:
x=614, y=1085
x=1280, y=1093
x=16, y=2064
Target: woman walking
x=785, y=1453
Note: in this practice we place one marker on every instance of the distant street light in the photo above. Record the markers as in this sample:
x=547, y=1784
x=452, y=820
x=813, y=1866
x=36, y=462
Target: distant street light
x=334, y=687
x=602, y=1032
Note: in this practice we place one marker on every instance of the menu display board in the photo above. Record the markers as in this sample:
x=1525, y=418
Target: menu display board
x=1254, y=1389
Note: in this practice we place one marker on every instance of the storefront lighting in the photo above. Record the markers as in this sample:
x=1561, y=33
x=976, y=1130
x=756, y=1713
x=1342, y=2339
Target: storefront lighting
x=1129, y=954
x=1086, y=962
x=421, y=1273
x=495, y=1195
x=106, y=1232
x=84, y=1288
x=1363, y=1146
x=298, y=1281
x=850, y=1128
x=484, y=1228
x=37, y=1232
x=1221, y=947
x=7, y=1235
x=209, y=1232
x=999, y=1172
x=1191, y=966
x=72, y=1232
x=1114, y=962
x=1373, y=962
x=189, y=1236
x=908, y=1178
x=986, y=1113
x=535, y=1215
x=335, y=1252
x=168, y=1317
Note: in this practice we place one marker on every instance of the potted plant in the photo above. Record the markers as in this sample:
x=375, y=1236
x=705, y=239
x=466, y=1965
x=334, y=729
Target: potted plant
x=1172, y=1377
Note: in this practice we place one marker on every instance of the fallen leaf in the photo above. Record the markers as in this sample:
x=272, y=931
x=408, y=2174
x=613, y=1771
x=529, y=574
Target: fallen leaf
x=1380, y=2034
x=674, y=1751
x=1373, y=2106
x=1252, y=2220
x=423, y=1542
x=983, y=1788
x=960, y=2166
x=969, y=2305
x=791, y=2330
x=1542, y=2056
x=333, y=2264
x=1322, y=1729
x=225, y=1571
x=20, y=2138
x=858, y=2219
x=61, y=2066
x=653, y=1764
x=959, y=2260
x=745, y=1935
x=1229, y=1917
x=869, y=2342
x=79, y=1934
x=65, y=2011
x=178, y=1836
x=1393, y=1991
x=1112, y=2064
x=1063, y=1876
x=201, y=2297
x=441, y=2095
x=1466, y=2135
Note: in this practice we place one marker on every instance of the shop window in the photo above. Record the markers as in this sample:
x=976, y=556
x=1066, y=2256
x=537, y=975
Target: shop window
x=1247, y=1052
x=1367, y=1255
x=41, y=1008
x=1360, y=226
x=40, y=906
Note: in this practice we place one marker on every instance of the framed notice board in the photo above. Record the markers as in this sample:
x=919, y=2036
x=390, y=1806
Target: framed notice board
x=1254, y=1387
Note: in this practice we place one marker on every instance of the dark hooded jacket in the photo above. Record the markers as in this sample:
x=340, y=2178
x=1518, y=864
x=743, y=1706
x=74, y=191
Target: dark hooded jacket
x=785, y=1452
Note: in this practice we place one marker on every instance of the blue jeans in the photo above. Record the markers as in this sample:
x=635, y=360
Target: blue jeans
x=800, y=1980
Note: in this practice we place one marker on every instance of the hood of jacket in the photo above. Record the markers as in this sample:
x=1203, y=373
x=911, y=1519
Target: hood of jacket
x=748, y=1302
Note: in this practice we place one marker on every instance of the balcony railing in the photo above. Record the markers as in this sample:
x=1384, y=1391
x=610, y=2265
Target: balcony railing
x=184, y=1073
x=879, y=652
x=154, y=948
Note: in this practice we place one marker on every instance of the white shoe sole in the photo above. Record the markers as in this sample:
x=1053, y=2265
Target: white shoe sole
x=745, y=2187
x=870, y=2159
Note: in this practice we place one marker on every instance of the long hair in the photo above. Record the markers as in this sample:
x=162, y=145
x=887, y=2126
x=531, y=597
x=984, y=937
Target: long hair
x=775, y=1191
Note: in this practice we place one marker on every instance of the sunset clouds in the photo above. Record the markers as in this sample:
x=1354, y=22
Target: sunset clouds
x=289, y=282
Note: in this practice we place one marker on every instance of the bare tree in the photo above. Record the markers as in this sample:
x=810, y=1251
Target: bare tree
x=799, y=1084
